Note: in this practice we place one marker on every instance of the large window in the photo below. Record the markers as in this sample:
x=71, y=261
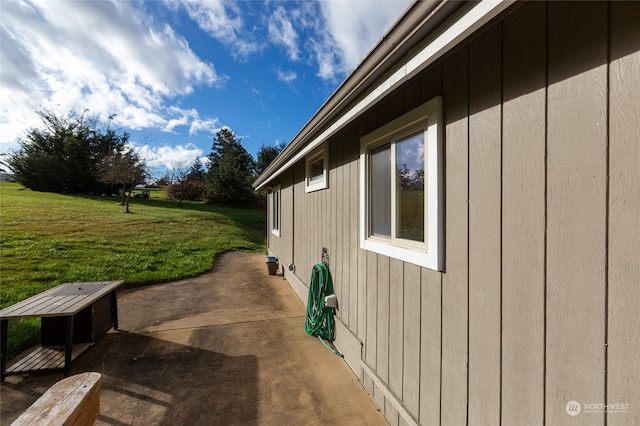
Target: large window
x=275, y=211
x=401, y=188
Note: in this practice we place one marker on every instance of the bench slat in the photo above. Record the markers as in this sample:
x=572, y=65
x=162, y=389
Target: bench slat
x=71, y=401
x=45, y=358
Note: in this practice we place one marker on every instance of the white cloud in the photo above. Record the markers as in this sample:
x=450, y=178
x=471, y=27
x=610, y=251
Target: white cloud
x=190, y=118
x=331, y=35
x=109, y=57
x=168, y=157
x=211, y=125
x=286, y=76
x=356, y=26
x=223, y=21
x=281, y=32
x=253, y=89
x=340, y=33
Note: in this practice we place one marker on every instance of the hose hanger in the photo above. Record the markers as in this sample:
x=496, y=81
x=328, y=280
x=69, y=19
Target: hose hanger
x=325, y=256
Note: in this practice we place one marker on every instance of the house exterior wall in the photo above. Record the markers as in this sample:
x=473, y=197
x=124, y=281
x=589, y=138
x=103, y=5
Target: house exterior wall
x=282, y=247
x=538, y=303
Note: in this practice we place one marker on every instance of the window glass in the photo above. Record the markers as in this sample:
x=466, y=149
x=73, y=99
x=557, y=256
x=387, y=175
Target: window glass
x=410, y=188
x=380, y=191
x=275, y=211
x=317, y=170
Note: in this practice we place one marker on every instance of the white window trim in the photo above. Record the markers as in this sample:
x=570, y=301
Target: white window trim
x=322, y=183
x=275, y=230
x=431, y=254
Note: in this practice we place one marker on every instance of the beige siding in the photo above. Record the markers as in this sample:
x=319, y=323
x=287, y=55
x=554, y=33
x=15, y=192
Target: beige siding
x=411, y=343
x=523, y=217
x=623, y=359
x=485, y=228
x=382, y=311
x=370, y=340
x=430, y=347
x=341, y=265
x=304, y=227
x=538, y=304
x=331, y=213
x=576, y=209
x=455, y=285
x=430, y=292
x=362, y=282
x=396, y=328
x=352, y=205
x=343, y=233
x=282, y=244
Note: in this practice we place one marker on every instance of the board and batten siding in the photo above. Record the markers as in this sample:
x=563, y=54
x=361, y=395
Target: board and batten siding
x=538, y=304
x=623, y=208
x=282, y=244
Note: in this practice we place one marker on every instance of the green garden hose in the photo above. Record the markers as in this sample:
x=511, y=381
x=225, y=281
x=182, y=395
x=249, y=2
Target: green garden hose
x=319, y=319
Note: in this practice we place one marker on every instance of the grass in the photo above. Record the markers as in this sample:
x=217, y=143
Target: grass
x=47, y=239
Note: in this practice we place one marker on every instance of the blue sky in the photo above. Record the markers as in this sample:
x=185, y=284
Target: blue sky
x=174, y=72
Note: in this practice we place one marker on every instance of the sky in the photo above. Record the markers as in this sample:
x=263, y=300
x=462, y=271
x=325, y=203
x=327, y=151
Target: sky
x=171, y=73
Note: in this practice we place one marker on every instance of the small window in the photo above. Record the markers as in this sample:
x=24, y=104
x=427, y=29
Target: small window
x=316, y=173
x=401, y=188
x=275, y=211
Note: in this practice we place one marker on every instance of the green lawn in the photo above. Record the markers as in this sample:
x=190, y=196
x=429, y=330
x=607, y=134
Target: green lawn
x=47, y=239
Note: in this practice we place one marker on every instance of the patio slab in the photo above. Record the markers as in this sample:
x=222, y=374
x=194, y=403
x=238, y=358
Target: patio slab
x=224, y=348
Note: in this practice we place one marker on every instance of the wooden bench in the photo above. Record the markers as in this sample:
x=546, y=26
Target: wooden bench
x=74, y=400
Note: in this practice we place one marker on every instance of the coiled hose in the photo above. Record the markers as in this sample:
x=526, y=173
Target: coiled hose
x=319, y=318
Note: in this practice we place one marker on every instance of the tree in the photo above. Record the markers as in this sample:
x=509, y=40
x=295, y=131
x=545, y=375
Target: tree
x=164, y=180
x=187, y=183
x=196, y=181
x=413, y=180
x=122, y=168
x=63, y=154
x=197, y=172
x=178, y=178
x=231, y=171
x=266, y=155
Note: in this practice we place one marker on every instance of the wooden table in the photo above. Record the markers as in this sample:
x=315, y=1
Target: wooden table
x=73, y=317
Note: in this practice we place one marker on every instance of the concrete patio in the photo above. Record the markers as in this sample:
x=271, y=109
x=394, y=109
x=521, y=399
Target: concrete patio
x=225, y=348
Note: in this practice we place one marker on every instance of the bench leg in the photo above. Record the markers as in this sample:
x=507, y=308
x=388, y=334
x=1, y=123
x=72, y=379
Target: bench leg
x=69, y=346
x=114, y=309
x=4, y=327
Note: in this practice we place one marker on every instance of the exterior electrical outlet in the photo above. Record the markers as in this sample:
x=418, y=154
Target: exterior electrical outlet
x=331, y=301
